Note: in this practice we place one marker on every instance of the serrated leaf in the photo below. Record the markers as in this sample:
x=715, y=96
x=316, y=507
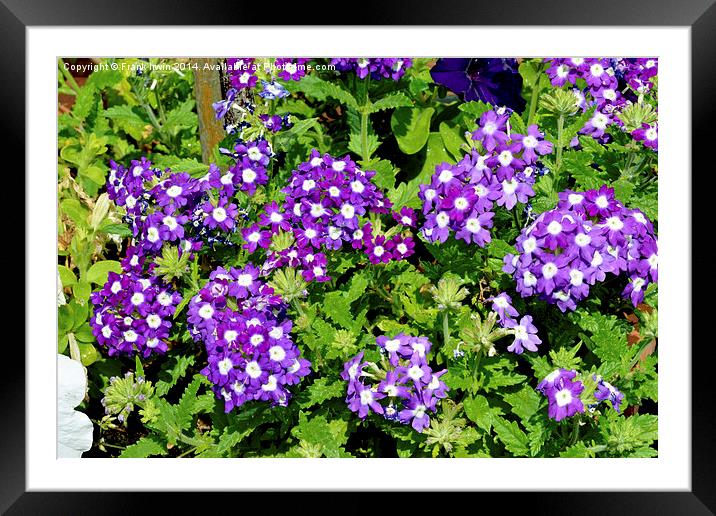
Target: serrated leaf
x=331, y=435
x=524, y=402
x=315, y=87
x=181, y=117
x=172, y=371
x=112, y=228
x=578, y=450
x=67, y=277
x=385, y=173
x=478, y=410
x=129, y=120
x=145, y=447
x=512, y=436
x=321, y=390
x=391, y=101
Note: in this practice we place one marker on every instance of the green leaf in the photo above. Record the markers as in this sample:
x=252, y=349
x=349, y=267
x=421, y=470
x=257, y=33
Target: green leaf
x=391, y=101
x=514, y=439
x=67, y=277
x=478, y=410
x=577, y=451
x=411, y=127
x=181, y=117
x=82, y=290
x=100, y=270
x=284, y=139
x=171, y=372
x=321, y=390
x=191, y=166
x=623, y=190
x=129, y=120
x=474, y=109
x=88, y=353
x=453, y=139
x=331, y=435
x=145, y=447
x=315, y=87
x=524, y=402
x=115, y=229
x=85, y=100
x=75, y=211
x=385, y=174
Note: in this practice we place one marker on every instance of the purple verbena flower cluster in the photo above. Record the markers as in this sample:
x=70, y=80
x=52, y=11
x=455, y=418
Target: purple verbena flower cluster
x=165, y=206
x=241, y=72
x=588, y=235
x=404, y=389
x=606, y=392
x=611, y=85
x=247, y=336
x=250, y=170
x=461, y=197
x=133, y=314
x=562, y=391
x=326, y=200
x=525, y=332
x=378, y=68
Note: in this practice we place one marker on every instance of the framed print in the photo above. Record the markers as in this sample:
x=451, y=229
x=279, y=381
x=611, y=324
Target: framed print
x=430, y=245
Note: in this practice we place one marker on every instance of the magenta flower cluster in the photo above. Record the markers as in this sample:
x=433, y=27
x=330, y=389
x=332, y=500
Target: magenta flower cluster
x=327, y=201
x=587, y=236
x=378, y=68
x=607, y=87
x=460, y=198
x=247, y=336
x=133, y=314
x=405, y=389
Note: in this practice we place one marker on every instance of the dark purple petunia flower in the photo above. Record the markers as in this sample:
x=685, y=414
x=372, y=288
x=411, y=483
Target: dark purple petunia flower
x=495, y=81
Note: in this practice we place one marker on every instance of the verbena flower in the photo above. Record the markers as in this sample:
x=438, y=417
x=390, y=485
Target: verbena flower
x=378, y=68
x=246, y=333
x=590, y=234
x=562, y=391
x=402, y=388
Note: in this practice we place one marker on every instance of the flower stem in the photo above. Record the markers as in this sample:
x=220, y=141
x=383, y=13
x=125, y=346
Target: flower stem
x=446, y=329
x=535, y=96
x=297, y=306
x=558, y=161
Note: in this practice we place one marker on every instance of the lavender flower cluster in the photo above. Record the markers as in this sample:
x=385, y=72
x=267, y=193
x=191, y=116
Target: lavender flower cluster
x=378, y=68
x=326, y=198
x=563, y=389
x=404, y=389
x=246, y=333
x=133, y=314
x=608, y=81
x=460, y=197
x=524, y=331
x=588, y=235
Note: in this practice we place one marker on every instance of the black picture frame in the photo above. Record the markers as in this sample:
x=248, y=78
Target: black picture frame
x=699, y=15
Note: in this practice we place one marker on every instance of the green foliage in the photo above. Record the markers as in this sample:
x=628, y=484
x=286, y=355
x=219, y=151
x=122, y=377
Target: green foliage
x=404, y=131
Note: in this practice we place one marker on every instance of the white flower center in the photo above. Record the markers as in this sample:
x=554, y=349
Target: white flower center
x=366, y=397
x=174, y=191
x=445, y=175
x=339, y=166
x=554, y=228
x=529, y=141
x=107, y=332
x=270, y=384
x=596, y=70
x=357, y=186
x=245, y=280
x=152, y=234
x=248, y=175
x=225, y=366
x=576, y=277
x=347, y=210
x=473, y=225
x=334, y=191
x=392, y=345
x=443, y=219
x=116, y=287
x=230, y=335
x=378, y=251
x=276, y=332
x=206, y=311
x=510, y=186
x=310, y=233
x=549, y=270
x=489, y=128
x=563, y=397
x=130, y=336
x=505, y=158
x=253, y=369
x=219, y=214
x=137, y=298
x=602, y=201
x=615, y=223
x=653, y=261
x=521, y=332
x=529, y=279
x=461, y=203
x=154, y=321
x=256, y=339
x=308, y=185
x=430, y=194
x=574, y=198
x=402, y=248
